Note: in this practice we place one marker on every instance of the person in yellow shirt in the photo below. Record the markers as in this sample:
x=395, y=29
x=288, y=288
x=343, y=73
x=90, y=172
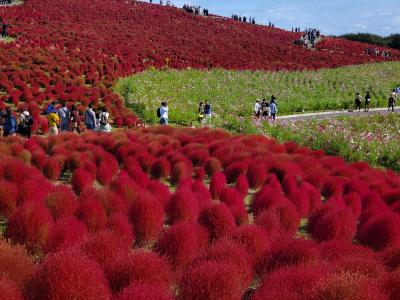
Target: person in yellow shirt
x=54, y=121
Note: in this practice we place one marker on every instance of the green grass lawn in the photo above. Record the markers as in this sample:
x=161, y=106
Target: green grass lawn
x=232, y=93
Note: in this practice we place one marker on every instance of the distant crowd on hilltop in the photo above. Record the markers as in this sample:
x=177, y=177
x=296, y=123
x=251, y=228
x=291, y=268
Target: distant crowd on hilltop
x=309, y=38
x=243, y=19
x=376, y=52
x=195, y=10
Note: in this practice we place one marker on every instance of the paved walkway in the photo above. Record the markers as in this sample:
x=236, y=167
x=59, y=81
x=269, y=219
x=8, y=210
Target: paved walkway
x=334, y=114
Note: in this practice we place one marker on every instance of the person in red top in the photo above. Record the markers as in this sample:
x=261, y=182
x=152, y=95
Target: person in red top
x=75, y=119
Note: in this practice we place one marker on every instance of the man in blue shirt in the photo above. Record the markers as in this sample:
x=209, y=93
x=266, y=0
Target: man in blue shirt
x=10, y=124
x=164, y=113
x=207, y=110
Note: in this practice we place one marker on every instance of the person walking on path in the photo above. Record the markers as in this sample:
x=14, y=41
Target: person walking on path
x=25, y=124
x=358, y=102
x=163, y=113
x=75, y=119
x=200, y=113
x=104, y=125
x=257, y=109
x=391, y=102
x=367, y=101
x=10, y=124
x=54, y=122
x=4, y=30
x=64, y=115
x=90, y=118
x=273, y=108
x=207, y=110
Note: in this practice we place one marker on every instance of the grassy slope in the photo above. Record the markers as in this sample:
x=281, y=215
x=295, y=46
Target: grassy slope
x=233, y=93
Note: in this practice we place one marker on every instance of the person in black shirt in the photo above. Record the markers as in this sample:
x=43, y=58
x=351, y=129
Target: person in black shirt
x=367, y=101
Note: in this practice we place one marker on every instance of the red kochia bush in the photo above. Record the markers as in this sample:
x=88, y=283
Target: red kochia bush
x=81, y=180
x=161, y=168
x=8, y=198
x=181, y=243
x=242, y=185
x=382, y=233
x=30, y=225
x=53, y=167
x=107, y=170
x=92, y=214
x=66, y=233
x=119, y=224
x=392, y=284
x=67, y=275
x=15, y=263
x=217, y=184
x=257, y=175
x=182, y=206
x=212, y=166
x=217, y=220
x=147, y=217
x=144, y=291
x=139, y=267
x=332, y=223
x=210, y=280
x=61, y=202
x=9, y=291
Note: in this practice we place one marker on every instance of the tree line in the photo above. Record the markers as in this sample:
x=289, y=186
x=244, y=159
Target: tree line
x=391, y=41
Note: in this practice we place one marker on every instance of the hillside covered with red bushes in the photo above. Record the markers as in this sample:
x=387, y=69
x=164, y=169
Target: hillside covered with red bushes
x=74, y=51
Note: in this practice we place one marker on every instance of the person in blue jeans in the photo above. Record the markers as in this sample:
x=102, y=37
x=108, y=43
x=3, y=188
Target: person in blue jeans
x=207, y=110
x=64, y=115
x=90, y=118
x=273, y=108
x=10, y=124
x=164, y=113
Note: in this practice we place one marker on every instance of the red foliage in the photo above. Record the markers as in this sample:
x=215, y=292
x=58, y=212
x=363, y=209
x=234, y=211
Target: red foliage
x=30, y=225
x=332, y=223
x=144, y=291
x=8, y=198
x=53, y=167
x=15, y=264
x=181, y=243
x=61, y=202
x=9, y=291
x=67, y=275
x=211, y=280
x=242, y=185
x=119, y=224
x=161, y=168
x=92, y=214
x=81, y=180
x=392, y=284
x=218, y=221
x=257, y=175
x=147, y=218
x=217, y=184
x=139, y=267
x=66, y=232
x=182, y=206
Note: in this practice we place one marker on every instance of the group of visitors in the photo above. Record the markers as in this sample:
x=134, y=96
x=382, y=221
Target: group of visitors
x=195, y=10
x=6, y=2
x=243, y=19
x=377, y=52
x=296, y=29
x=367, y=100
x=11, y=125
x=204, y=112
x=309, y=38
x=266, y=110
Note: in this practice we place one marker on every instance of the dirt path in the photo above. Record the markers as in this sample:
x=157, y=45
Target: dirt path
x=335, y=114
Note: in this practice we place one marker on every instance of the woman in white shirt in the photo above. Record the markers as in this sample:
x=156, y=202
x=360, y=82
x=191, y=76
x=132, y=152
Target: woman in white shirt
x=104, y=125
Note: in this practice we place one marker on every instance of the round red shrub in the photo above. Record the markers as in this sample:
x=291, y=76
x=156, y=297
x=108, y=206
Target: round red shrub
x=257, y=175
x=144, y=291
x=66, y=232
x=92, y=214
x=210, y=280
x=332, y=223
x=161, y=168
x=381, y=233
x=147, y=218
x=217, y=220
x=265, y=198
x=30, y=225
x=15, y=263
x=181, y=243
x=392, y=284
x=242, y=185
x=61, y=202
x=353, y=201
x=217, y=184
x=106, y=171
x=212, y=166
x=9, y=291
x=67, y=275
x=8, y=198
x=53, y=167
x=33, y=190
x=119, y=224
x=81, y=180
x=182, y=206
x=139, y=267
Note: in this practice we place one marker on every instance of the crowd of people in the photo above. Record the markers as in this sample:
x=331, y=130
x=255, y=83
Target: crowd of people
x=377, y=52
x=359, y=100
x=195, y=10
x=309, y=38
x=243, y=19
x=62, y=119
x=6, y=2
x=204, y=113
x=266, y=110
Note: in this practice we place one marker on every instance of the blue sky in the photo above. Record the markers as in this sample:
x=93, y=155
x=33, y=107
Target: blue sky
x=333, y=17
